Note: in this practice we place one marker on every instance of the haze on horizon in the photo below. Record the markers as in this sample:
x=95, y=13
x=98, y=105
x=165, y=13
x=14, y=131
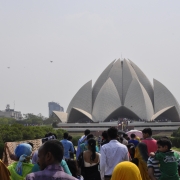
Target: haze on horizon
x=82, y=38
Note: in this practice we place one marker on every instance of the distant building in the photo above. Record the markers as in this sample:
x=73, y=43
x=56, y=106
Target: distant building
x=54, y=107
x=11, y=113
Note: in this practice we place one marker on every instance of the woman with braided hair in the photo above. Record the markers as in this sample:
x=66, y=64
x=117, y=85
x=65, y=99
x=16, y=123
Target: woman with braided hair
x=90, y=165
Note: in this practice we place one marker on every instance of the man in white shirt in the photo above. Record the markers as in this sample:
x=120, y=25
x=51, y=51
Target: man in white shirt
x=112, y=153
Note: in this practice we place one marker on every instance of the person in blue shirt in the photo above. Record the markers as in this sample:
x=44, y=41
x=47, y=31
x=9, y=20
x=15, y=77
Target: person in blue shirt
x=80, y=141
x=84, y=146
x=68, y=146
x=133, y=140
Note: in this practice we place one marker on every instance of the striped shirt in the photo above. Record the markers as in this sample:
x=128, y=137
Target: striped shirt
x=153, y=163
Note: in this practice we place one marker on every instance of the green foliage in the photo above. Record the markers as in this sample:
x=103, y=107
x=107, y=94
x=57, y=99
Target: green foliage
x=19, y=132
x=1, y=149
x=176, y=133
x=59, y=133
x=176, y=149
x=31, y=119
x=175, y=139
x=75, y=140
x=54, y=125
x=50, y=120
x=5, y=120
x=175, y=142
x=157, y=137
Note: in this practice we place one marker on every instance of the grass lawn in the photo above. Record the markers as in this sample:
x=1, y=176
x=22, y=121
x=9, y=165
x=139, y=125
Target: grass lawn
x=176, y=149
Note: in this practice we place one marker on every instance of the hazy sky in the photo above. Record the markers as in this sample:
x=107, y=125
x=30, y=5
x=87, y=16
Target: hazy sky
x=82, y=38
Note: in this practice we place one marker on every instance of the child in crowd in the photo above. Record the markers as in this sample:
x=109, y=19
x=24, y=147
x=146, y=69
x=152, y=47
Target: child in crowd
x=168, y=160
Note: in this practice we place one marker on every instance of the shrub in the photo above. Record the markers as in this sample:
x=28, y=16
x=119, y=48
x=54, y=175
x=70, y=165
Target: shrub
x=175, y=140
x=75, y=140
x=19, y=132
x=1, y=149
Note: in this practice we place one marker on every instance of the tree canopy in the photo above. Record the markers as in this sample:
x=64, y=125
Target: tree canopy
x=176, y=133
x=30, y=119
x=18, y=132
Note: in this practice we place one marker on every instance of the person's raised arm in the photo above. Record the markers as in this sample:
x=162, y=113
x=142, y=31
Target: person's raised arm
x=82, y=140
x=152, y=154
x=11, y=155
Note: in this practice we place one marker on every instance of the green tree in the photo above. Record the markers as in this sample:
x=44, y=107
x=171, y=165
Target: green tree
x=59, y=133
x=5, y=120
x=19, y=132
x=176, y=133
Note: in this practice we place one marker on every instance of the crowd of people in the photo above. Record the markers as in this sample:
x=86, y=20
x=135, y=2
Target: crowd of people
x=113, y=157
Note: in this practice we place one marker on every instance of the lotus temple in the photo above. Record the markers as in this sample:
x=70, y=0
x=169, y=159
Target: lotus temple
x=121, y=91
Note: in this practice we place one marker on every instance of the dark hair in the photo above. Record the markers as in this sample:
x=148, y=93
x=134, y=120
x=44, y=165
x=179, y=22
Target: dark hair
x=125, y=135
x=147, y=131
x=65, y=136
x=143, y=151
x=165, y=137
x=165, y=142
x=30, y=143
x=133, y=135
x=55, y=147
x=69, y=138
x=86, y=132
x=48, y=137
x=104, y=134
x=131, y=149
x=92, y=144
x=73, y=167
x=130, y=145
x=89, y=136
x=121, y=139
x=51, y=134
x=112, y=133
